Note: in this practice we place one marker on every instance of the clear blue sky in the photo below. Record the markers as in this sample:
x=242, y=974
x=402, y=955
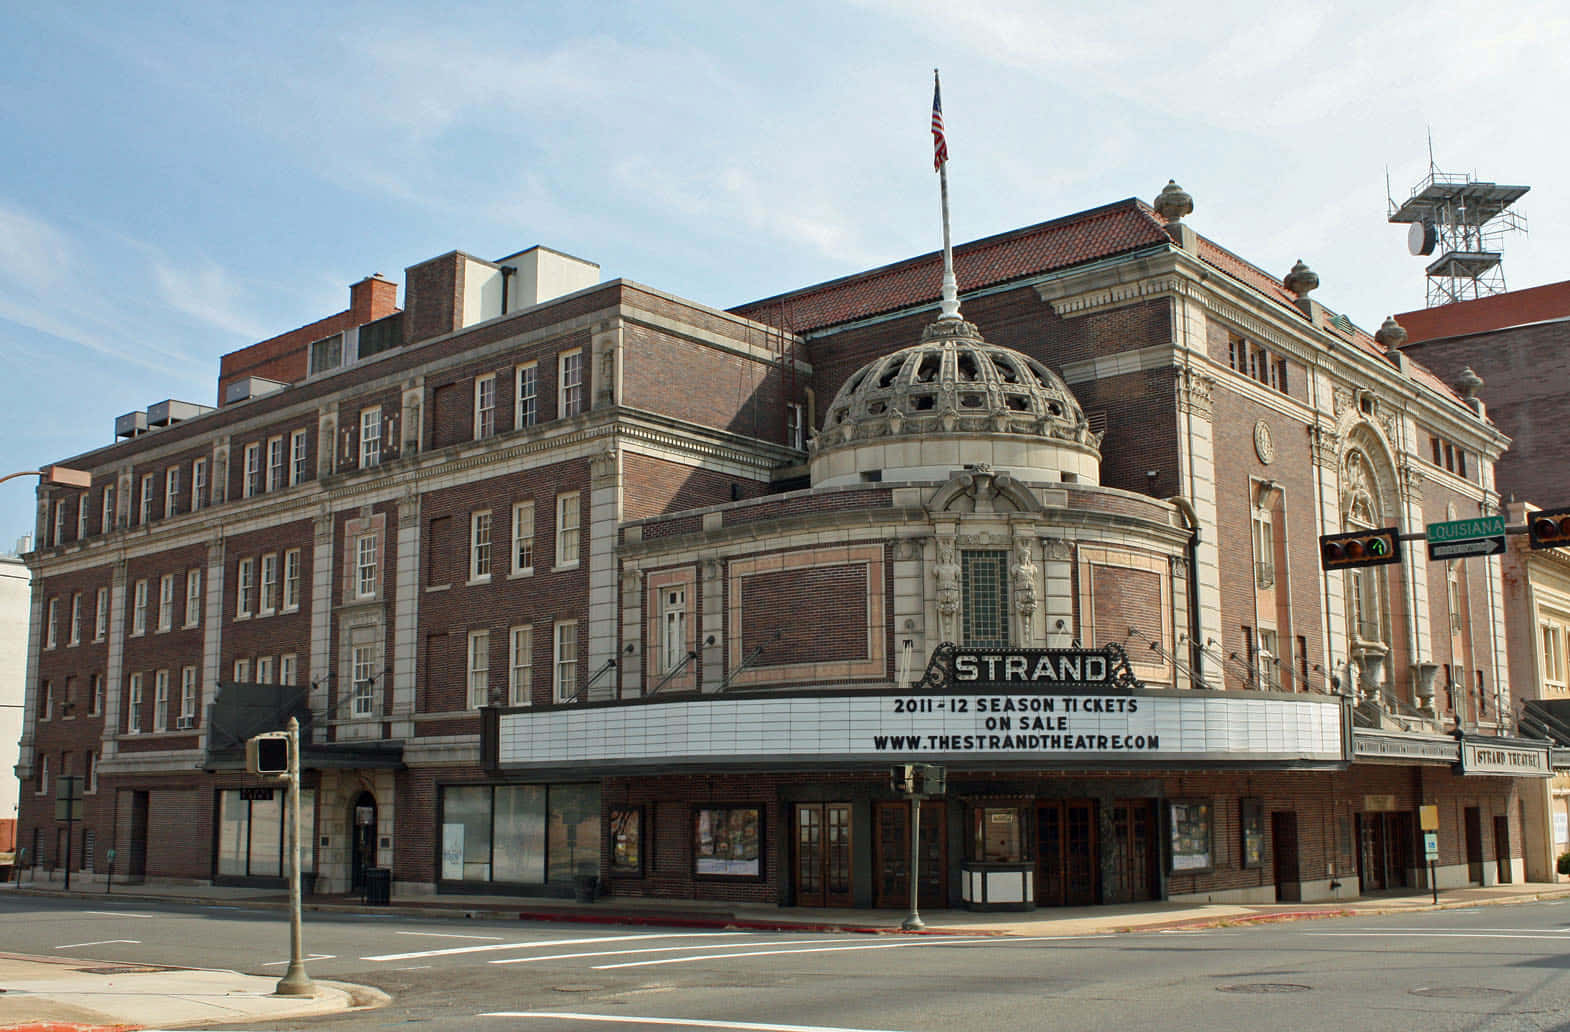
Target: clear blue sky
x=180, y=180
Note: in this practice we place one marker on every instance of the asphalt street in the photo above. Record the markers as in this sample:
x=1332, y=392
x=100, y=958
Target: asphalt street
x=1490, y=968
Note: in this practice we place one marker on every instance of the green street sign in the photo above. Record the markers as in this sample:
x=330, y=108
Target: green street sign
x=1461, y=539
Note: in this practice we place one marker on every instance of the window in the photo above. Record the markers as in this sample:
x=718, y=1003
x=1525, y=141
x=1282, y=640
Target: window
x=288, y=668
x=76, y=618
x=188, y=696
x=479, y=668
x=47, y=696
x=1264, y=550
x=298, y=470
x=673, y=628
x=42, y=786
x=569, y=397
x=101, y=615
x=264, y=670
x=370, y=437
x=484, y=406
x=172, y=491
x=528, y=411
x=161, y=701
x=165, y=602
x=253, y=471
x=363, y=661
x=68, y=704
x=244, y=585
x=193, y=597
x=108, y=523
x=95, y=703
x=567, y=529
x=59, y=523
x=275, y=466
x=51, y=627
x=1251, y=819
x=520, y=665
x=480, y=546
x=82, y=509
x=267, y=601
x=566, y=660
x=145, y=515
x=1269, y=658
x=1449, y=455
x=133, y=712
x=728, y=841
x=523, y=538
x=90, y=772
x=198, y=484
x=291, y=580
x=985, y=602
x=139, y=607
x=1257, y=363
x=1193, y=833
x=1554, y=656
x=795, y=426
x=242, y=670
x=326, y=354
x=365, y=566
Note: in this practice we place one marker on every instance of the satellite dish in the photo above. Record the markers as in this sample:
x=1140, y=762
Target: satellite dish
x=1421, y=237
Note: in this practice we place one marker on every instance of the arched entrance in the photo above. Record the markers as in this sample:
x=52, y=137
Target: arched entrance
x=362, y=839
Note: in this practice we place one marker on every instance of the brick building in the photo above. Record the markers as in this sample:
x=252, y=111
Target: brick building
x=568, y=578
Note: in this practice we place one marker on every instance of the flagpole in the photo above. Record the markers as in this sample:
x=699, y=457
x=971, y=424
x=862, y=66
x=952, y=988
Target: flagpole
x=950, y=305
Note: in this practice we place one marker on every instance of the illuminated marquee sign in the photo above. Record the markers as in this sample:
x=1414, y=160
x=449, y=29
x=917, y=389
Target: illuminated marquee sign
x=1103, y=671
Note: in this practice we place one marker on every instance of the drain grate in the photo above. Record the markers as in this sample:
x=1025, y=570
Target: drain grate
x=1458, y=992
x=126, y=969
x=1262, y=987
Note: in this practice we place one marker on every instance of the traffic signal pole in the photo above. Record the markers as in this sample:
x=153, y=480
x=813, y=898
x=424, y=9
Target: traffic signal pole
x=295, y=981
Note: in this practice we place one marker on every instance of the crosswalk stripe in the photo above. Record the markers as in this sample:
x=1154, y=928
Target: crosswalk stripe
x=453, y=951
x=622, y=1019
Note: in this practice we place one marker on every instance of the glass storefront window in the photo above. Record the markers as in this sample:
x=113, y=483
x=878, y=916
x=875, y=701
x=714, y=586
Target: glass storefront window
x=728, y=840
x=234, y=835
x=252, y=838
x=520, y=833
x=627, y=840
x=997, y=837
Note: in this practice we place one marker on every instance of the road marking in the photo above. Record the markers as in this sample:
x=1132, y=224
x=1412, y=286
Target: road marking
x=115, y=913
x=451, y=935
x=455, y=950
x=100, y=942
x=313, y=956
x=750, y=1026
x=664, y=949
x=1561, y=937
x=770, y=953
x=415, y=967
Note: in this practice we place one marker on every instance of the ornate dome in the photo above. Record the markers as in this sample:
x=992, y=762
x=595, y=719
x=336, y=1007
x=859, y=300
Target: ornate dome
x=1005, y=407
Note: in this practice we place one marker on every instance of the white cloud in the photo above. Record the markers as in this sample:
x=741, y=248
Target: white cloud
x=207, y=293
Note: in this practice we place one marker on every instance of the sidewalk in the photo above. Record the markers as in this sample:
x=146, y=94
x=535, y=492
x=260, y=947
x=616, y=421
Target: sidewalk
x=44, y=994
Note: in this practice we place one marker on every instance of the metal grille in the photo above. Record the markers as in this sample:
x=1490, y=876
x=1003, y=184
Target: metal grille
x=986, y=611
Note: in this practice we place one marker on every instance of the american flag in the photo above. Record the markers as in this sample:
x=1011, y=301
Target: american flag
x=940, y=146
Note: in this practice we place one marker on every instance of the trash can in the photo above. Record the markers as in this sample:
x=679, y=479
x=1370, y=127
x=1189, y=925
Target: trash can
x=587, y=886
x=378, y=887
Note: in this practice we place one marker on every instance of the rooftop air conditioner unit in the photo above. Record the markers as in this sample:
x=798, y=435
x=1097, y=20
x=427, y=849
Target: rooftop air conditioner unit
x=167, y=413
x=130, y=424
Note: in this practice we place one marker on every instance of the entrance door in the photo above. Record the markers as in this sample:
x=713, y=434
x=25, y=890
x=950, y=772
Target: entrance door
x=1131, y=864
x=1502, y=850
x=1283, y=850
x=1066, y=864
x=891, y=862
x=1386, y=850
x=136, y=845
x=362, y=841
x=1473, y=820
x=823, y=855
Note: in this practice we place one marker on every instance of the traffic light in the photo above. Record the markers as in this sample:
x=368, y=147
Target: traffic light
x=268, y=754
x=1360, y=548
x=1549, y=528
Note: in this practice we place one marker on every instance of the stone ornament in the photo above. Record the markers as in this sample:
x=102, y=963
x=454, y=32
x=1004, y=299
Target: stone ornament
x=1264, y=444
x=1173, y=202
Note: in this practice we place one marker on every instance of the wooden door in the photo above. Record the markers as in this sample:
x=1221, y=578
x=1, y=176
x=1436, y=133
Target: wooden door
x=1473, y=819
x=1284, y=856
x=891, y=861
x=823, y=855
x=1051, y=886
x=1131, y=863
x=1502, y=850
x=1066, y=853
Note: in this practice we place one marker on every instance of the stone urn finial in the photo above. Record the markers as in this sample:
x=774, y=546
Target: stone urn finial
x=1173, y=203
x=1301, y=280
x=1390, y=335
x=1469, y=383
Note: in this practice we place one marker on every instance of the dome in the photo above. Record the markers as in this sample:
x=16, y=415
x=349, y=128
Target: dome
x=924, y=411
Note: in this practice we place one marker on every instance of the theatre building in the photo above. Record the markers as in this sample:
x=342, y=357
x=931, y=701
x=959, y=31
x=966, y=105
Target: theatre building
x=569, y=579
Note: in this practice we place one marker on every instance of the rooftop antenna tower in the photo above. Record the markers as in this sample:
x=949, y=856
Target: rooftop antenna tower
x=1461, y=219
